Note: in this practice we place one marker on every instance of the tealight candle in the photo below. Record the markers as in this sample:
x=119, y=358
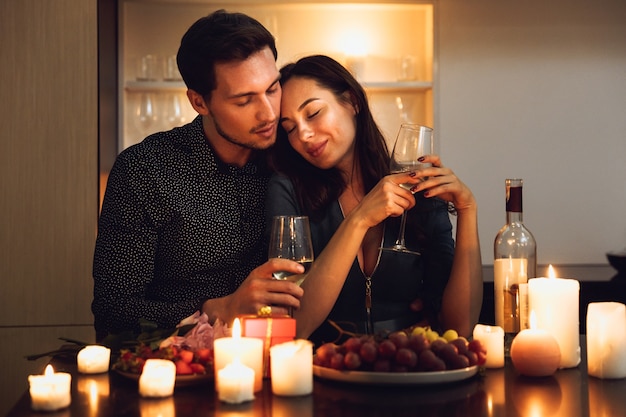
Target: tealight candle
x=235, y=383
x=292, y=368
x=249, y=350
x=606, y=340
x=555, y=302
x=158, y=378
x=492, y=338
x=535, y=352
x=93, y=359
x=50, y=391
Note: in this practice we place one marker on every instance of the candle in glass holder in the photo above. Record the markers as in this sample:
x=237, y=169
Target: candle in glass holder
x=249, y=350
x=535, y=352
x=492, y=338
x=292, y=368
x=606, y=340
x=50, y=391
x=555, y=303
x=93, y=359
x=235, y=383
x=157, y=378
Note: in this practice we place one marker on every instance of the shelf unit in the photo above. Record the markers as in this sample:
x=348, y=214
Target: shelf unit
x=380, y=35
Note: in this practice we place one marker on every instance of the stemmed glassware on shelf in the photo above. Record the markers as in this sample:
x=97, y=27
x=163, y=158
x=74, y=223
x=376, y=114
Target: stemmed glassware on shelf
x=290, y=238
x=412, y=142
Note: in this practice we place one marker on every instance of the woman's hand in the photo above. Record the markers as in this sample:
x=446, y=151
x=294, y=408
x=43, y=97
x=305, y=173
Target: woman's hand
x=387, y=199
x=443, y=183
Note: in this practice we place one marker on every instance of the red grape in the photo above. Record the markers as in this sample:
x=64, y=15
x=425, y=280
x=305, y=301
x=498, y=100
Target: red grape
x=418, y=342
x=369, y=351
x=461, y=344
x=387, y=349
x=399, y=338
x=353, y=344
x=352, y=360
x=336, y=362
x=406, y=357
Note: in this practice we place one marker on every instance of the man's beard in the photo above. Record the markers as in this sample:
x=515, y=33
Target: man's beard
x=222, y=133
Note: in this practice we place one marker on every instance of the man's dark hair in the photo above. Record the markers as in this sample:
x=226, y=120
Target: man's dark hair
x=219, y=37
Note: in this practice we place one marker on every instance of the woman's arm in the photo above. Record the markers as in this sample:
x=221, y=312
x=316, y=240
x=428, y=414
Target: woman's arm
x=462, y=297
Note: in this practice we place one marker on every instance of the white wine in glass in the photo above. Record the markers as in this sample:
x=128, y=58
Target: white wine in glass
x=290, y=238
x=412, y=142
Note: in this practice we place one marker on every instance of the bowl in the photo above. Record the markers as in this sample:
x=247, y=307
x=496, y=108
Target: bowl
x=617, y=260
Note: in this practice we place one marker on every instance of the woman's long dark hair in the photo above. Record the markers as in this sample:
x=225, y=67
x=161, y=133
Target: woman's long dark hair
x=316, y=188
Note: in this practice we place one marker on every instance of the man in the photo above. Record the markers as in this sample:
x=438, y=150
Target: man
x=181, y=227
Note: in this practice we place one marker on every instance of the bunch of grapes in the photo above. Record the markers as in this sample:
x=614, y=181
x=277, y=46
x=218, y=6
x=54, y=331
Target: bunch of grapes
x=418, y=349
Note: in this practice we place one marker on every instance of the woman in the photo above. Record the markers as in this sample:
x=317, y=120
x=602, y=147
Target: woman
x=332, y=165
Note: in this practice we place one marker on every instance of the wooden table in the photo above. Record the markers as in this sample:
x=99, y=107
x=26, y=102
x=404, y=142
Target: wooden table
x=501, y=392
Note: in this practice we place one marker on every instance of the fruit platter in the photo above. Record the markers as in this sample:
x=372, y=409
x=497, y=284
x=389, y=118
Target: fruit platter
x=191, y=350
x=418, y=355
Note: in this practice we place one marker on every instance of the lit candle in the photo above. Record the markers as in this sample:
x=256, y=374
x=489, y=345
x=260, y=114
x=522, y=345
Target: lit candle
x=50, y=391
x=292, y=368
x=535, y=352
x=93, y=359
x=555, y=303
x=606, y=340
x=492, y=338
x=235, y=383
x=249, y=350
x=157, y=378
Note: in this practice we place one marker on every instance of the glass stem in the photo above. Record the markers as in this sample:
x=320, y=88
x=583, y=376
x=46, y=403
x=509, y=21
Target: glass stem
x=400, y=241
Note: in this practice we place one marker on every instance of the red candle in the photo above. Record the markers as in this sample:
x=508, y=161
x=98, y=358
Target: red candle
x=535, y=352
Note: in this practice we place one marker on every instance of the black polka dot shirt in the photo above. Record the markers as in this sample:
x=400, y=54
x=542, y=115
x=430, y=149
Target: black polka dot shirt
x=177, y=227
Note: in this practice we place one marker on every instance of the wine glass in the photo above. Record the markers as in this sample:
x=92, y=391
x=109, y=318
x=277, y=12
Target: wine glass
x=290, y=238
x=412, y=142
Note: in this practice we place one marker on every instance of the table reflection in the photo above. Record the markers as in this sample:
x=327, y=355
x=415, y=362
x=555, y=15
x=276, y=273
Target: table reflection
x=535, y=397
x=157, y=407
x=93, y=388
x=606, y=397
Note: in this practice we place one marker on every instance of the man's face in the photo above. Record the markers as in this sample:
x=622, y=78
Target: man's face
x=245, y=106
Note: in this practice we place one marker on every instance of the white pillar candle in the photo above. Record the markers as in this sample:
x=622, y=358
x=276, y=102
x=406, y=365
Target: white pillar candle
x=249, y=350
x=235, y=383
x=291, y=366
x=93, y=359
x=492, y=338
x=606, y=340
x=158, y=378
x=555, y=304
x=50, y=391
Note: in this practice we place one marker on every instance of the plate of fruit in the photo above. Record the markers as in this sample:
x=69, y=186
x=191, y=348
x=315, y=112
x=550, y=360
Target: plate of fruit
x=192, y=367
x=190, y=347
x=416, y=356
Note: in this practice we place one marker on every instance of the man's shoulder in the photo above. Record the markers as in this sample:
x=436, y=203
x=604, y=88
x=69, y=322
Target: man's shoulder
x=165, y=145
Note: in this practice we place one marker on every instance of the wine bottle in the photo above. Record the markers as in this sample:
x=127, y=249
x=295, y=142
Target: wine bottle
x=515, y=260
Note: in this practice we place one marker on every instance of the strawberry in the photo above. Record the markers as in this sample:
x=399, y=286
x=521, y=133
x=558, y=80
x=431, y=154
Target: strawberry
x=204, y=355
x=183, y=368
x=185, y=355
x=197, y=368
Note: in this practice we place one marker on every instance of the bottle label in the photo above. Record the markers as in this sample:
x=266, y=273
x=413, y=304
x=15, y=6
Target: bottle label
x=514, y=199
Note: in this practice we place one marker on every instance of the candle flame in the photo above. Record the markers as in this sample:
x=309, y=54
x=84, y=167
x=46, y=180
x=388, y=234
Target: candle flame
x=49, y=371
x=236, y=329
x=551, y=272
x=533, y=320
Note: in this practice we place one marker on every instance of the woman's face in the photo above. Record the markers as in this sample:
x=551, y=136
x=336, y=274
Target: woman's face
x=319, y=127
